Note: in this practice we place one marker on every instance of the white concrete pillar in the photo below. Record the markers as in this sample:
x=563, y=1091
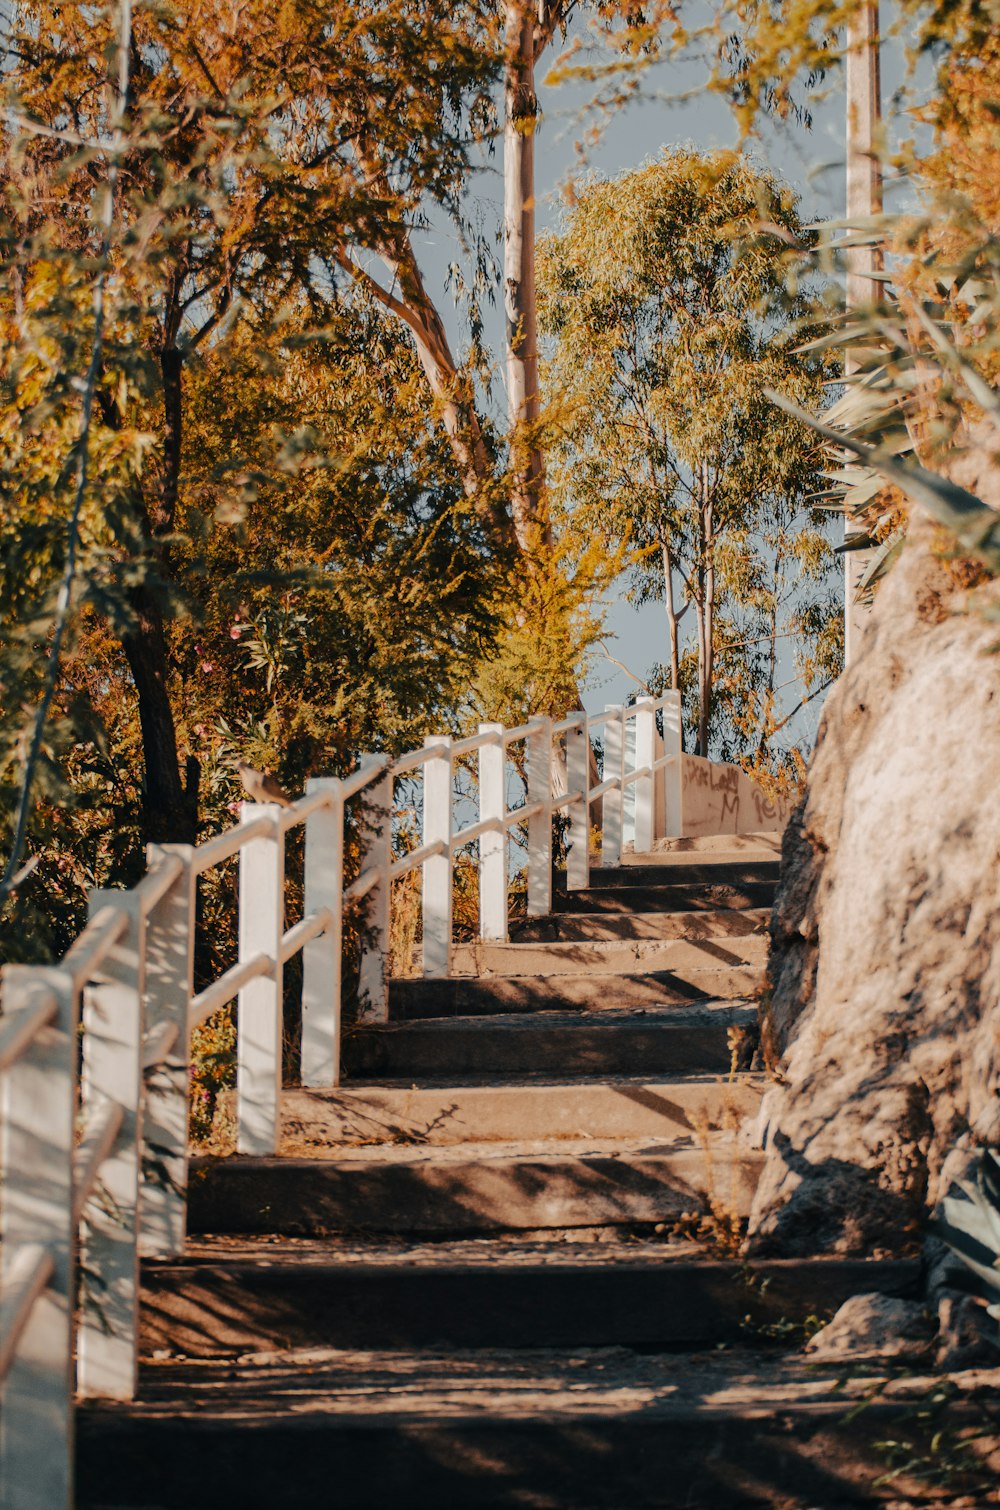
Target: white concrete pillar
x=113, y=1022
x=258, y=1044
x=437, y=870
x=36, y=1162
x=540, y=826
x=493, y=844
x=645, y=755
x=613, y=801
x=169, y=988
x=321, y=957
x=673, y=774
x=578, y=780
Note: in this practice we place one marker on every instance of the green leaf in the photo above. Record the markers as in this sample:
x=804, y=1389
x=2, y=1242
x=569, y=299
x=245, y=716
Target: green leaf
x=973, y=523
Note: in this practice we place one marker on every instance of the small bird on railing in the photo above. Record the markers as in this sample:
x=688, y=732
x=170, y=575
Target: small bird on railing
x=260, y=786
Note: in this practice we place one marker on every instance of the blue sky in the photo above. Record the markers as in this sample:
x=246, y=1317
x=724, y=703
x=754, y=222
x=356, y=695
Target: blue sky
x=638, y=133
x=677, y=113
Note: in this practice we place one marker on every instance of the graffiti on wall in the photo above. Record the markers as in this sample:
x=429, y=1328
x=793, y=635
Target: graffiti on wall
x=723, y=799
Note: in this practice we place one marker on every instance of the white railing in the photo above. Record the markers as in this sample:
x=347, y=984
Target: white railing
x=95, y=1051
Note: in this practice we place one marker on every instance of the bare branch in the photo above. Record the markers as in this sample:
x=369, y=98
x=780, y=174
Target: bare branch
x=622, y=667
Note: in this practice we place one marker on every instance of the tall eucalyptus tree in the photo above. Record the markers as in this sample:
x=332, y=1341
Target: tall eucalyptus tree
x=669, y=314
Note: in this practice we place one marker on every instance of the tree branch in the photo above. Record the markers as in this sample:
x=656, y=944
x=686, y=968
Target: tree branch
x=622, y=667
x=802, y=703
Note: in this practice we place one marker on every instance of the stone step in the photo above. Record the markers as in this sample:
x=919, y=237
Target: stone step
x=671, y=870
x=678, y=1040
x=609, y=957
x=723, y=847
x=604, y=1429
x=725, y=923
x=622, y=1108
x=226, y=1299
x=470, y=996
x=474, y=1187
x=703, y=897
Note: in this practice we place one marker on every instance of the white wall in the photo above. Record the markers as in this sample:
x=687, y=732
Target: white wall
x=723, y=799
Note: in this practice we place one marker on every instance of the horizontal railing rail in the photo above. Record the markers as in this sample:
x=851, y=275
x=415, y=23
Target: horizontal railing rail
x=95, y=1142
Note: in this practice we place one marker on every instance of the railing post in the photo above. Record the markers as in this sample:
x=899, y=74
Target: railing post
x=540, y=826
x=613, y=802
x=373, y=982
x=113, y=1023
x=578, y=780
x=259, y=1036
x=437, y=880
x=673, y=774
x=321, y=957
x=169, y=987
x=645, y=755
x=493, y=844
x=38, y=1113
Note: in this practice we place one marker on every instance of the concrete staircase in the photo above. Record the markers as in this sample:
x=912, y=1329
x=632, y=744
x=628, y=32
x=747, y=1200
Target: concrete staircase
x=500, y=1266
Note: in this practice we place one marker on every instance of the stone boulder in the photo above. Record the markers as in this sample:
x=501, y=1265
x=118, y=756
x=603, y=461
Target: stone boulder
x=882, y=1015
x=873, y=1326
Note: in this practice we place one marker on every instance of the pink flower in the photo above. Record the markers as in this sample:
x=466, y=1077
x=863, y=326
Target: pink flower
x=206, y=666
x=235, y=632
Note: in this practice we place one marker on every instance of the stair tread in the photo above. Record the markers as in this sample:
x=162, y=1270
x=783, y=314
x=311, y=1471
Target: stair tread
x=333, y=1383
x=674, y=870
x=497, y=1151
x=705, y=941
x=764, y=840
x=570, y=1429
x=704, y=1009
x=489, y=1113
x=540, y=1080
x=656, y=1292
x=719, y=923
x=676, y=859
x=557, y=977
x=526, y=960
x=679, y=1037
x=576, y=1250
x=594, y=992
x=673, y=897
x=512, y=1248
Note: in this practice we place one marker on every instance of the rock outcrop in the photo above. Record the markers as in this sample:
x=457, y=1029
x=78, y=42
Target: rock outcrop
x=879, y=1326
x=882, y=1017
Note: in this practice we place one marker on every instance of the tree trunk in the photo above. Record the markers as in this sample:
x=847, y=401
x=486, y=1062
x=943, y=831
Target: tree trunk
x=458, y=411
x=708, y=671
x=705, y=710
x=171, y=369
x=704, y=685
x=451, y=391
x=407, y=298
x=170, y=810
x=520, y=299
x=170, y=807
x=672, y=626
x=864, y=199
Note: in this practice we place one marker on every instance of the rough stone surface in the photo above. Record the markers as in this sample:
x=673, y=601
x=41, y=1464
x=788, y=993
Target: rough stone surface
x=567, y=1429
x=968, y=1336
x=879, y=1326
x=883, y=1011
